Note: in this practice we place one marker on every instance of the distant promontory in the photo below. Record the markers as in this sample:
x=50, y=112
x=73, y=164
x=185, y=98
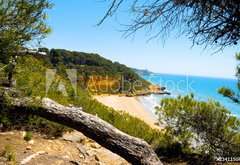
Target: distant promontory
x=143, y=72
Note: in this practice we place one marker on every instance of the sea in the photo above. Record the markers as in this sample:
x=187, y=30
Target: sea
x=203, y=88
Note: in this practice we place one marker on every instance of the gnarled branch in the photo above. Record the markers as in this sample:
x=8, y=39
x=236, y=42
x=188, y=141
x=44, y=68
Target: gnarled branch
x=134, y=150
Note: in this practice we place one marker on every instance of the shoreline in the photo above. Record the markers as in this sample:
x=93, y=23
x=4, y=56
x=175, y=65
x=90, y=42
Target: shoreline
x=153, y=89
x=131, y=105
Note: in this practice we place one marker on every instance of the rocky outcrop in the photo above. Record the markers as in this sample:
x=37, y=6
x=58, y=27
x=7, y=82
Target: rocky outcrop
x=153, y=89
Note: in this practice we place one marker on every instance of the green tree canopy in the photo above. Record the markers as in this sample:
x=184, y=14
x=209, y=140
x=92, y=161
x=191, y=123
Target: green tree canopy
x=205, y=128
x=21, y=21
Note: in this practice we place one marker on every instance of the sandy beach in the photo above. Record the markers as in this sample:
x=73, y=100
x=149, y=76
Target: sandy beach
x=131, y=105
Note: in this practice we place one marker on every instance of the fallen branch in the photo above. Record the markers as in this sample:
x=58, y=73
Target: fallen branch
x=134, y=150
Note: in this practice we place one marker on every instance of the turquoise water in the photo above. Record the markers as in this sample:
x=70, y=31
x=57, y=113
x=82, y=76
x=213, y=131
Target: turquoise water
x=204, y=88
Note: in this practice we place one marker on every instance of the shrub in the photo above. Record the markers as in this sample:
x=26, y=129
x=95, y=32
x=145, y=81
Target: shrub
x=11, y=157
x=27, y=136
x=205, y=128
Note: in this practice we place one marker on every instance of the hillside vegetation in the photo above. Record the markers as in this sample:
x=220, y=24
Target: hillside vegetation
x=98, y=74
x=30, y=76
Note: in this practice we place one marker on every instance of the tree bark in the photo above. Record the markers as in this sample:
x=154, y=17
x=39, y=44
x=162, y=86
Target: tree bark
x=134, y=150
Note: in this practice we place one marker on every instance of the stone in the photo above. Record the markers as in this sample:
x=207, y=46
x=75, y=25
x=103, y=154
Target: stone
x=31, y=142
x=96, y=158
x=24, y=133
x=95, y=145
x=81, y=156
x=6, y=133
x=28, y=148
x=75, y=136
x=65, y=157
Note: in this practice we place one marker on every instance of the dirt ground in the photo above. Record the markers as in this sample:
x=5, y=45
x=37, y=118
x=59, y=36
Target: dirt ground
x=71, y=149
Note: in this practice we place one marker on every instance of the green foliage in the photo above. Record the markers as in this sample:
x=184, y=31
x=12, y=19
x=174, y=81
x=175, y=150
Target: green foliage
x=31, y=79
x=226, y=92
x=123, y=121
x=205, y=128
x=208, y=124
x=20, y=22
x=11, y=157
x=27, y=136
x=89, y=64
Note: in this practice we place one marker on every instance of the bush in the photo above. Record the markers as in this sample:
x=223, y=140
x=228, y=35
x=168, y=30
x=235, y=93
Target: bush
x=11, y=157
x=27, y=136
x=204, y=128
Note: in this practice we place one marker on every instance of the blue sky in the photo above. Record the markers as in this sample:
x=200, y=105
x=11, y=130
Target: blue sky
x=73, y=29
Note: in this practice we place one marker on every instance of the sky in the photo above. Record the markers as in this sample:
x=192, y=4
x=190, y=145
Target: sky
x=73, y=24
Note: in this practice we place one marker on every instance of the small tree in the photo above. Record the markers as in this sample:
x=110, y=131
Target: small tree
x=22, y=23
x=205, y=128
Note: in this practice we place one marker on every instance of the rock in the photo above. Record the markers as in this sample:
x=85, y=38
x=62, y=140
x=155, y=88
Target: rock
x=65, y=157
x=47, y=148
x=96, y=158
x=31, y=142
x=74, y=162
x=81, y=156
x=91, y=141
x=6, y=133
x=85, y=141
x=29, y=158
x=50, y=141
x=82, y=151
x=23, y=133
x=28, y=148
x=75, y=136
x=95, y=145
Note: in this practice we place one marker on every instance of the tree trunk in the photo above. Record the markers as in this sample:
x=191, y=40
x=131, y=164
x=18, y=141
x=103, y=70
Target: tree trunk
x=134, y=150
x=10, y=73
x=13, y=63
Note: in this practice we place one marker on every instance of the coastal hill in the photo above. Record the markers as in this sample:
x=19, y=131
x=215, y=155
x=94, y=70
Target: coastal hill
x=142, y=72
x=99, y=75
